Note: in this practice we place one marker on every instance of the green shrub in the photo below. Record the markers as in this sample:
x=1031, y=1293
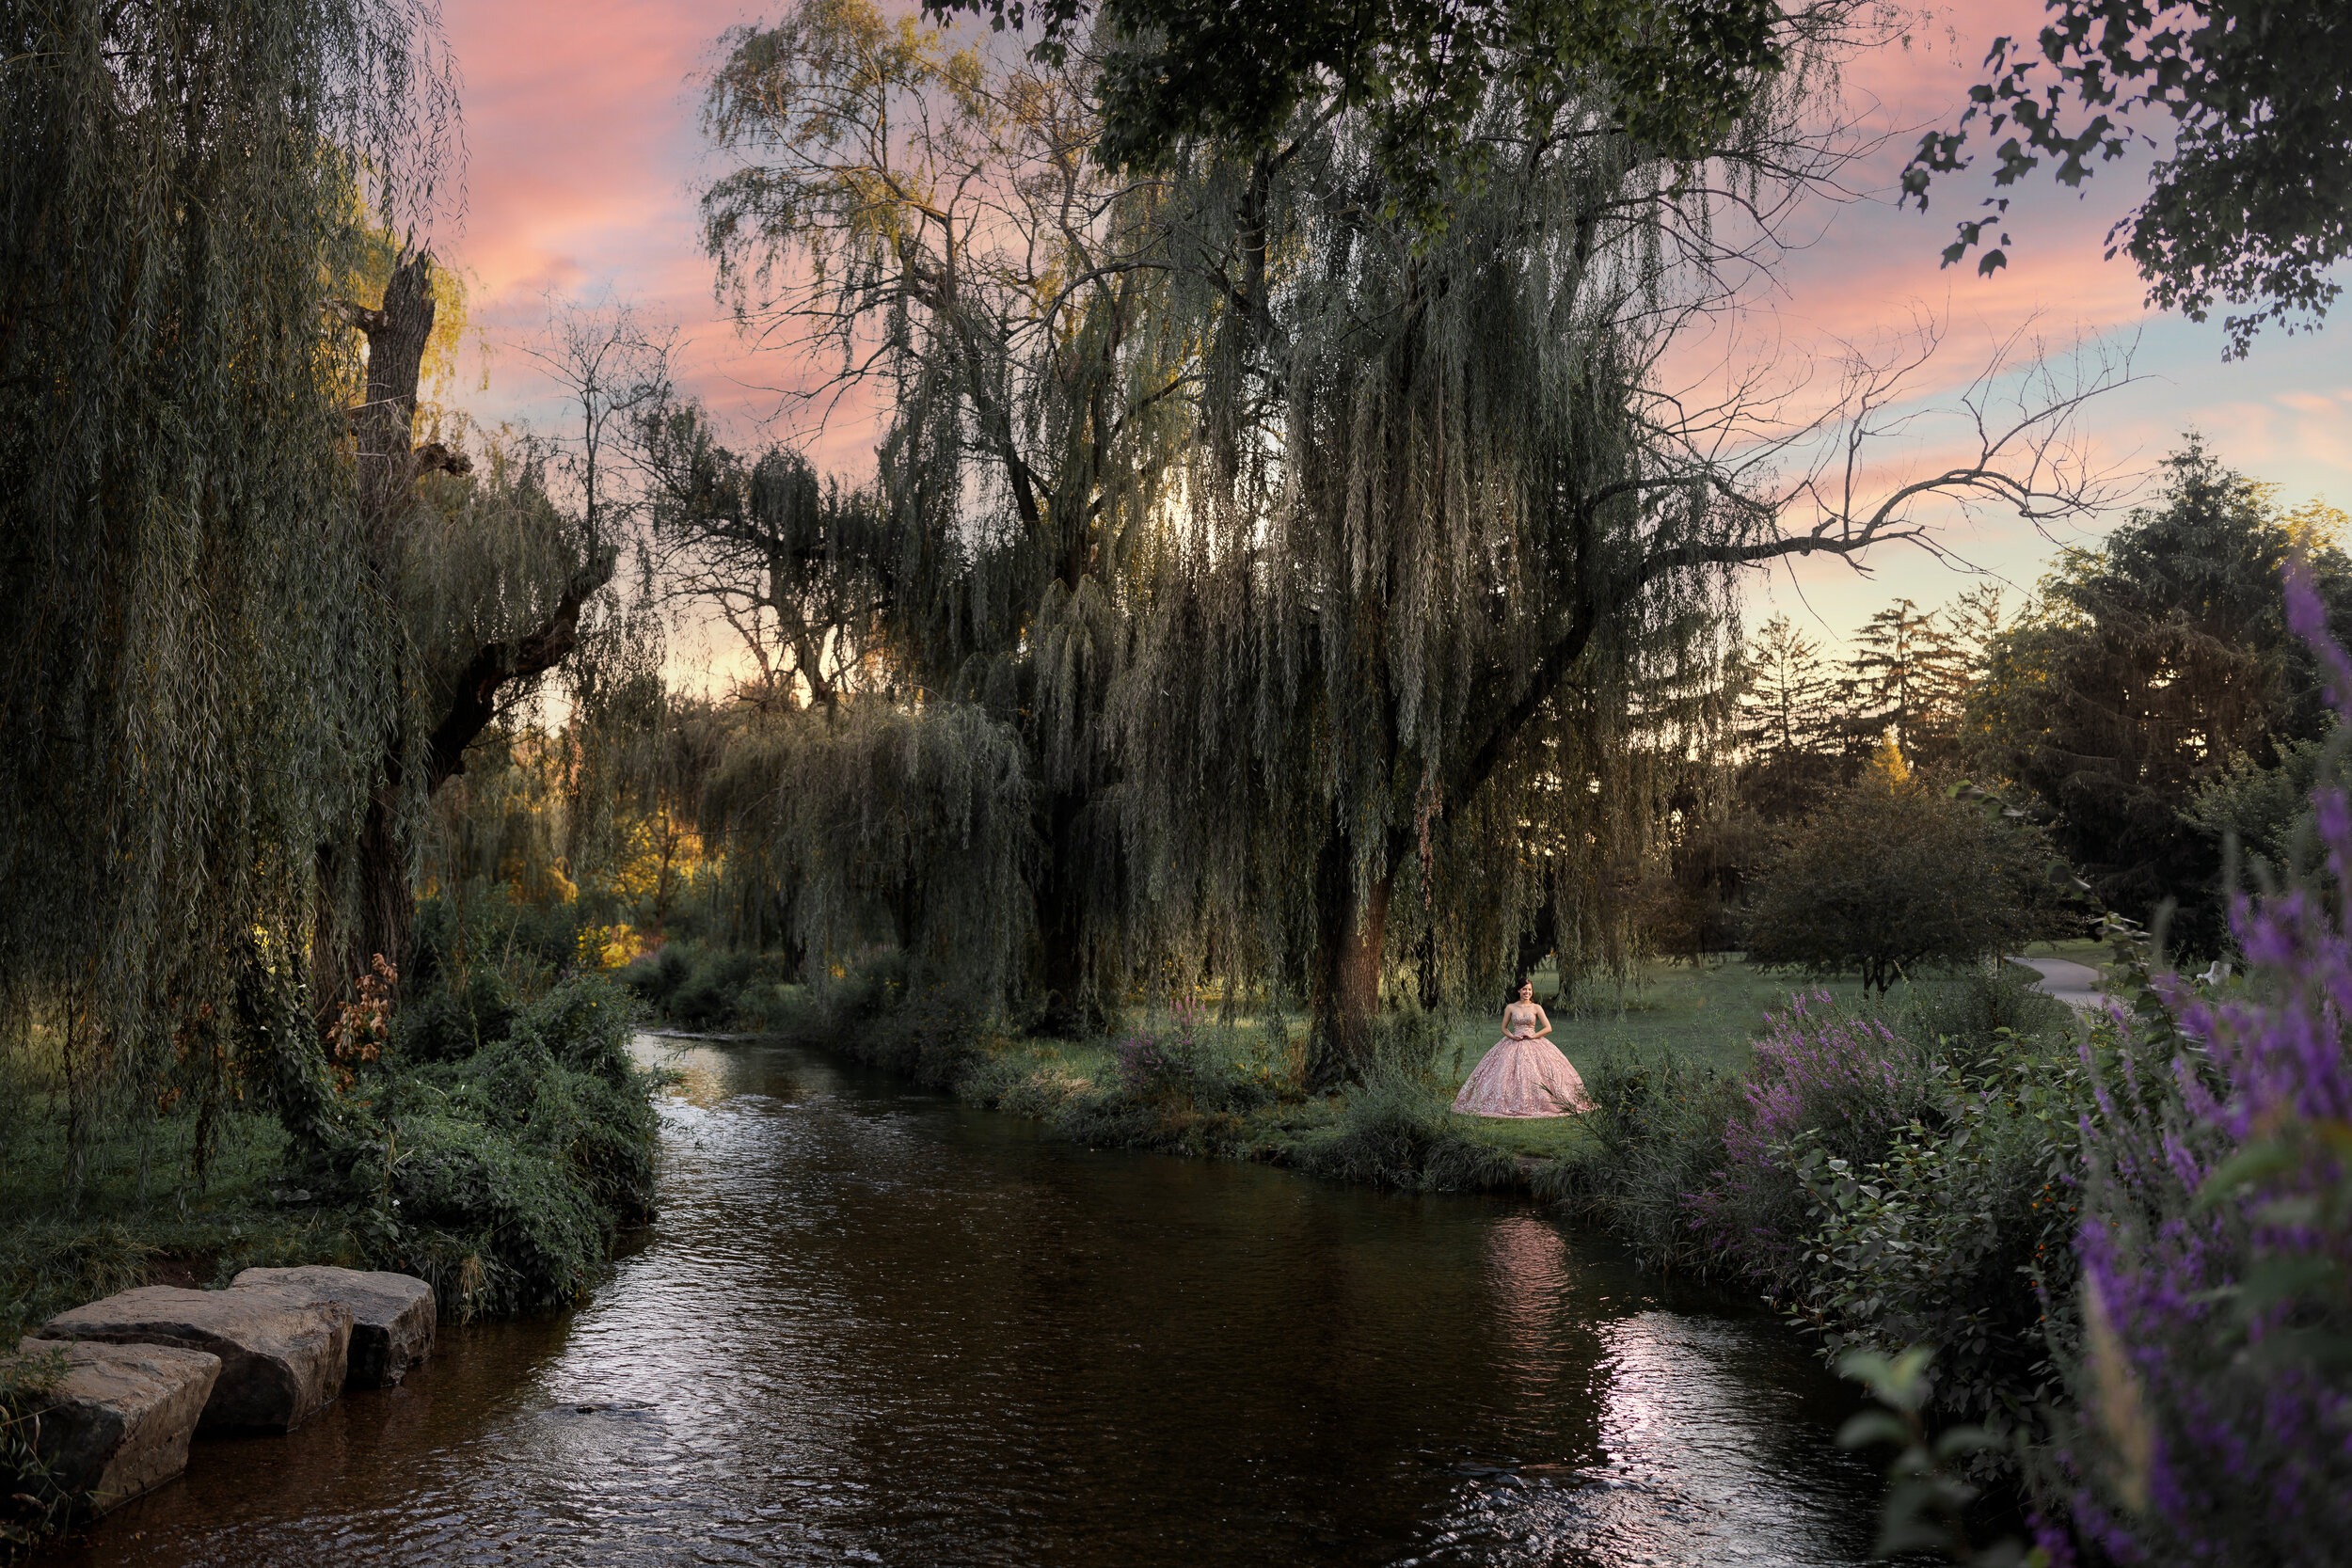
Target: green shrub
x=1955, y=1239
x=1657, y=1137
x=500, y=1174
x=1888, y=877
x=1971, y=1021
x=34, y=1507
x=1398, y=1130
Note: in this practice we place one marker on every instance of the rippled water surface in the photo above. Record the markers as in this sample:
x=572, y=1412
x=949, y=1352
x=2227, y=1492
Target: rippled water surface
x=873, y=1326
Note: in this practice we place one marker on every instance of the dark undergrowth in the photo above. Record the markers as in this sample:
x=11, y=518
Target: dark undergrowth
x=491, y=1133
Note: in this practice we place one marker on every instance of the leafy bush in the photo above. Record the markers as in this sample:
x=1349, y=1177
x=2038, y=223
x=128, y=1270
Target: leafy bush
x=701, y=990
x=1823, y=1079
x=1398, y=1130
x=500, y=1174
x=1976, y=1021
x=1889, y=876
x=1956, y=1238
x=1875, y=1189
x=1657, y=1137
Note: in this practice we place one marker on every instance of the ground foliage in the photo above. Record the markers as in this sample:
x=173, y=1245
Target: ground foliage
x=1883, y=1177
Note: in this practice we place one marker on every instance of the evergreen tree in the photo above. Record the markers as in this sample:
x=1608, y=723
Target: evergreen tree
x=1791, y=730
x=1902, y=679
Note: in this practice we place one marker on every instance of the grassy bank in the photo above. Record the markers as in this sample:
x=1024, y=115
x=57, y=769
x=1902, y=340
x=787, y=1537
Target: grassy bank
x=493, y=1138
x=1229, y=1087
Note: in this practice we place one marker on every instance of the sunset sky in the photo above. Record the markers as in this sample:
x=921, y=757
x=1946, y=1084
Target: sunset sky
x=586, y=162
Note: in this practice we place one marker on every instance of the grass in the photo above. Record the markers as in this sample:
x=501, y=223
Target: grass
x=1397, y=1131
x=60, y=1250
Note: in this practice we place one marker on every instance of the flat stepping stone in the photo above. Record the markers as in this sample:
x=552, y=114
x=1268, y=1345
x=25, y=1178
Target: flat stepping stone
x=282, y=1357
x=392, y=1318
x=119, y=1425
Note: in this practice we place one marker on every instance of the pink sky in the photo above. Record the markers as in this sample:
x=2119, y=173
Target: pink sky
x=585, y=158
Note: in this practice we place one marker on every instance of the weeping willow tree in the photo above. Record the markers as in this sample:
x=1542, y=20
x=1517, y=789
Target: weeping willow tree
x=1361, y=594
x=194, y=705
x=913, y=211
x=1431, y=641
x=882, y=828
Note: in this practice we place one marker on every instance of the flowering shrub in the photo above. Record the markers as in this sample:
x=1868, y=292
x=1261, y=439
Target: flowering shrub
x=1156, y=1065
x=1823, y=1079
x=2217, y=1242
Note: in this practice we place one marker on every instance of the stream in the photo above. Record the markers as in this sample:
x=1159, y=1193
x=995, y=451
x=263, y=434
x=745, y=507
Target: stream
x=875, y=1326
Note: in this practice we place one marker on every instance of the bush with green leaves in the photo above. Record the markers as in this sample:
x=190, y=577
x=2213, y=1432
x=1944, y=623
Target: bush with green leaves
x=1956, y=1237
x=501, y=1173
x=1883, y=1178
x=1890, y=877
x=1397, y=1129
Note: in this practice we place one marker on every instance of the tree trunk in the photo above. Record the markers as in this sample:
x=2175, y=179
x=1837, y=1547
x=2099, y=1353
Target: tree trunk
x=1350, y=937
x=365, y=903
x=370, y=916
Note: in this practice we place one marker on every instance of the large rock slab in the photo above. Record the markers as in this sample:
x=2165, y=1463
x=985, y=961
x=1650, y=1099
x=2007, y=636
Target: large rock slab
x=282, y=1355
x=392, y=1318
x=120, y=1422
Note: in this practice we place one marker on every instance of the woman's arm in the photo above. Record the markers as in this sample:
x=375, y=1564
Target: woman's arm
x=1545, y=1017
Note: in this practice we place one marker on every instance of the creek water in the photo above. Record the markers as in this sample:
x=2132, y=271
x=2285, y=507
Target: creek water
x=875, y=1326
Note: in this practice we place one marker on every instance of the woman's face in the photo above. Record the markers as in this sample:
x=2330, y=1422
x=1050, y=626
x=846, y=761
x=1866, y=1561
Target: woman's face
x=1527, y=993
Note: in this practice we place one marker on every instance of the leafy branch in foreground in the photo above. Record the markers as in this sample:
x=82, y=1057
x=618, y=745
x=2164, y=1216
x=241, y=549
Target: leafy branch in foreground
x=1927, y=1500
x=2249, y=204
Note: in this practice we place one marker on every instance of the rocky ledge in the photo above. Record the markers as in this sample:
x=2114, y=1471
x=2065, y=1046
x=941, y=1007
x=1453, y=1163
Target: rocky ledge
x=392, y=1319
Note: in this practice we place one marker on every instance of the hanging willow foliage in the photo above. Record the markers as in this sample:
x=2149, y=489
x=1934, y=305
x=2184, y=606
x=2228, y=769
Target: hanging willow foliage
x=1441, y=575
x=1360, y=594
x=194, y=703
x=880, y=827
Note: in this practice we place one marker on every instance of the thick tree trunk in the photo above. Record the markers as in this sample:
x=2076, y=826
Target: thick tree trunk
x=365, y=905
x=1351, y=936
x=372, y=915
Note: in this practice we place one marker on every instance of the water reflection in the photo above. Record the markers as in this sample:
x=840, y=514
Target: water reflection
x=876, y=1327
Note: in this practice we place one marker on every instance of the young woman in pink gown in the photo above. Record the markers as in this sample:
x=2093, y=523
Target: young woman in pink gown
x=1524, y=1075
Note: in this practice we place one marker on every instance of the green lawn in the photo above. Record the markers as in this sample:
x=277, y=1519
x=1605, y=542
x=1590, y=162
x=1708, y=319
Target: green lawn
x=119, y=1231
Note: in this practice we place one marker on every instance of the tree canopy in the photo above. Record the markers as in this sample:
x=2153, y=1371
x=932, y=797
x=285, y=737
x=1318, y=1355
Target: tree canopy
x=195, y=702
x=1892, y=875
x=1355, y=587
x=1681, y=75
x=2149, y=666
x=2250, y=203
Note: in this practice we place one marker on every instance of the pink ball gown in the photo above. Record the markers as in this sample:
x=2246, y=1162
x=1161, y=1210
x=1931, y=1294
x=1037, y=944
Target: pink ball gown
x=1523, y=1076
